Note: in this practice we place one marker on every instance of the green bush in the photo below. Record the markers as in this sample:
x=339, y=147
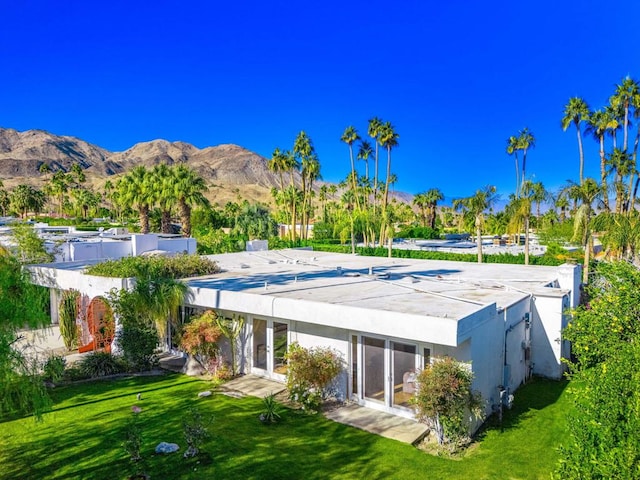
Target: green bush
x=180, y=266
x=53, y=368
x=427, y=233
x=138, y=347
x=100, y=364
x=309, y=374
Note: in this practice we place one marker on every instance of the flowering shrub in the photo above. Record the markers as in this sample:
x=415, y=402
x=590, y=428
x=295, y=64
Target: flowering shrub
x=200, y=338
x=309, y=374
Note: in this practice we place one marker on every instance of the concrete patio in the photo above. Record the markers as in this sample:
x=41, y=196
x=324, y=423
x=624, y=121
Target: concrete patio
x=380, y=423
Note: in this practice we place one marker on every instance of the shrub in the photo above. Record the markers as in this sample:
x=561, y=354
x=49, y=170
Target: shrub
x=138, y=346
x=53, y=368
x=100, y=364
x=195, y=429
x=180, y=266
x=199, y=338
x=443, y=396
x=309, y=373
x=68, y=312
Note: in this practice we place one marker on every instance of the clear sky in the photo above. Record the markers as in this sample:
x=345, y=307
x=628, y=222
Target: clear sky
x=456, y=78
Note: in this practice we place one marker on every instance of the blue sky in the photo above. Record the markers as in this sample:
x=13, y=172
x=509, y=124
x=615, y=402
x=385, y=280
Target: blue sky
x=455, y=78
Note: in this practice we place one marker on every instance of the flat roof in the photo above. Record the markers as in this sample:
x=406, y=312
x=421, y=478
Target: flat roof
x=432, y=288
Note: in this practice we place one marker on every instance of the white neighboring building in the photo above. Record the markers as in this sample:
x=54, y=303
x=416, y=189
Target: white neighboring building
x=386, y=317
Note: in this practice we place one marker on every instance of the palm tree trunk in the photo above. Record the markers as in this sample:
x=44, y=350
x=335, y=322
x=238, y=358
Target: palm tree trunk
x=587, y=259
x=185, y=217
x=526, y=240
x=479, y=239
x=144, y=218
x=581, y=152
x=603, y=174
x=517, y=175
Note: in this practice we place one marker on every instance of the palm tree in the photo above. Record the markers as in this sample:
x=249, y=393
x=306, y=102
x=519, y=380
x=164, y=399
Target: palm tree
x=388, y=139
x=526, y=140
x=434, y=195
x=620, y=165
x=161, y=181
x=475, y=206
x=597, y=125
x=538, y=195
x=189, y=188
x=614, y=116
x=620, y=234
x=279, y=165
x=575, y=112
x=520, y=210
x=58, y=186
x=364, y=152
x=587, y=194
x=420, y=201
x=623, y=97
x=135, y=189
x=512, y=149
x=310, y=173
x=24, y=198
x=350, y=136
x=375, y=125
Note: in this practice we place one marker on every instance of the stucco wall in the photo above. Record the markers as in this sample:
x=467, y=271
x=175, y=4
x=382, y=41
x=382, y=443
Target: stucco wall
x=516, y=340
x=546, y=335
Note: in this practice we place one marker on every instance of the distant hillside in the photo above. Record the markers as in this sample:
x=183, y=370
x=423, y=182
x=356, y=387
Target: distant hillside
x=232, y=172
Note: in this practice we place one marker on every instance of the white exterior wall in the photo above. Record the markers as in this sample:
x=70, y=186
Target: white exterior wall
x=309, y=336
x=143, y=243
x=104, y=249
x=548, y=320
x=570, y=278
x=178, y=245
x=485, y=354
x=516, y=339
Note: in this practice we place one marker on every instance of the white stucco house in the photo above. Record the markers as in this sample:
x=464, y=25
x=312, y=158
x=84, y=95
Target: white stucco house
x=386, y=317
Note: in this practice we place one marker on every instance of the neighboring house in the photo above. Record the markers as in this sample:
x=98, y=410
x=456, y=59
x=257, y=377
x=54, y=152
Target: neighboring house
x=386, y=317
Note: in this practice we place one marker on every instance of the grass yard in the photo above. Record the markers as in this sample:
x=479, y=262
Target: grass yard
x=81, y=438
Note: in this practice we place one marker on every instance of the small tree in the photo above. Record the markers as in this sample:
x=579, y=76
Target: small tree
x=310, y=371
x=195, y=429
x=231, y=328
x=200, y=338
x=443, y=398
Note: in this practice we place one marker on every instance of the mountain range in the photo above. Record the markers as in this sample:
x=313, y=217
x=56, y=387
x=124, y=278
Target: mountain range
x=232, y=172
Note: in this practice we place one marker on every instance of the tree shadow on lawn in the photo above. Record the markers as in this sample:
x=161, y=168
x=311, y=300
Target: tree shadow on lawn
x=87, y=443
x=535, y=395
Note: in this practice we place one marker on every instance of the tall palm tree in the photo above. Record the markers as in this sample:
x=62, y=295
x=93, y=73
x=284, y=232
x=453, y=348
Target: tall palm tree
x=587, y=194
x=623, y=97
x=615, y=114
x=526, y=140
x=576, y=111
x=189, y=188
x=512, y=149
x=539, y=194
x=520, y=210
x=279, y=165
x=388, y=139
x=597, y=125
x=350, y=136
x=375, y=125
x=364, y=152
x=475, y=206
x=310, y=173
x=135, y=190
x=621, y=166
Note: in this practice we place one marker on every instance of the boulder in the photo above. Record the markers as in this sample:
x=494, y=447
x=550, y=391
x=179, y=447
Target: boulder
x=164, y=447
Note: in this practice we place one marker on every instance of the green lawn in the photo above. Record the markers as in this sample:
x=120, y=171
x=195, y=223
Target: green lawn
x=81, y=439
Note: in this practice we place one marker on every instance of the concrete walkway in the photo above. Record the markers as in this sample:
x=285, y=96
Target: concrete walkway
x=380, y=423
x=251, y=385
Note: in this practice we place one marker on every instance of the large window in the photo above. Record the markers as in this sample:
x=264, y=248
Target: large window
x=260, y=343
x=280, y=345
x=373, y=375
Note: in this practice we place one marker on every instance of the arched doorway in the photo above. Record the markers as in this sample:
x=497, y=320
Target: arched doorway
x=101, y=326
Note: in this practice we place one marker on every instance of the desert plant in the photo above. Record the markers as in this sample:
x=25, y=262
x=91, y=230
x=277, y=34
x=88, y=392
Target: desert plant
x=195, y=429
x=53, y=368
x=231, y=328
x=100, y=364
x=270, y=413
x=309, y=373
x=138, y=345
x=68, y=312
